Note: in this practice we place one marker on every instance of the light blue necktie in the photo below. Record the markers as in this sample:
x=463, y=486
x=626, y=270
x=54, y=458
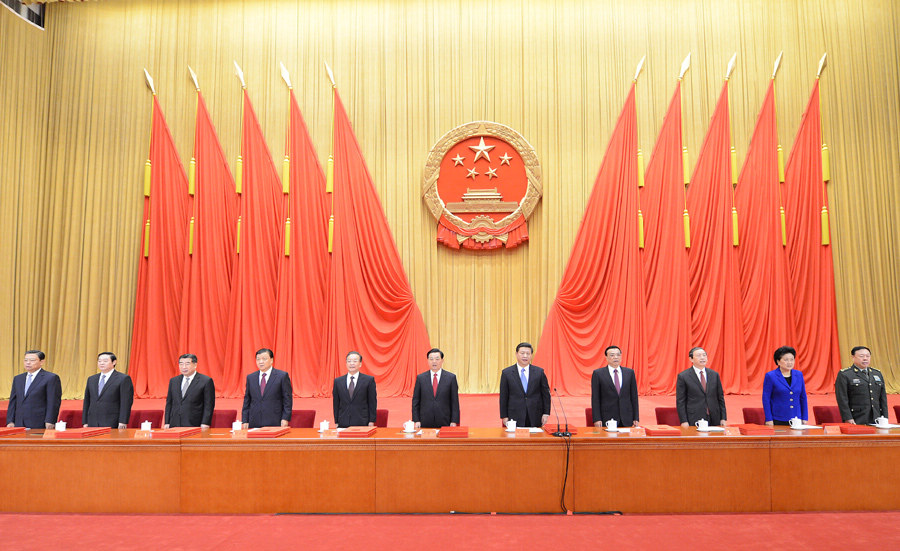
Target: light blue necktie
x=100, y=385
x=524, y=381
x=28, y=380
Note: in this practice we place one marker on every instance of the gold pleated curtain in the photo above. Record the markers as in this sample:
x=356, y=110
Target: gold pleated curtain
x=75, y=122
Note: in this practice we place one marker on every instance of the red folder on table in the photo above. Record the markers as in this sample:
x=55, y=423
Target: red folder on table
x=268, y=432
x=6, y=431
x=850, y=428
x=662, y=430
x=176, y=432
x=453, y=432
x=357, y=432
x=753, y=429
x=84, y=432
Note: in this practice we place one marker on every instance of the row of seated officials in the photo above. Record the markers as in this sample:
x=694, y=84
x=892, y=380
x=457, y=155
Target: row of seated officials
x=524, y=395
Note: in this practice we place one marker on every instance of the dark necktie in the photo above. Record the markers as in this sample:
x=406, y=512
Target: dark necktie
x=262, y=384
x=618, y=383
x=352, y=387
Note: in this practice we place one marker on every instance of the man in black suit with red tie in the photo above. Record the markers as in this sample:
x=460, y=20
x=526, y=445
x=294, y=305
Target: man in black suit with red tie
x=435, y=402
x=354, y=397
x=108, y=395
x=698, y=393
x=35, y=396
x=524, y=391
x=268, y=397
x=614, y=392
x=191, y=398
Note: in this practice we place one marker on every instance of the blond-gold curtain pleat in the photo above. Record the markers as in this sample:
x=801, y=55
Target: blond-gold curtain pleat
x=73, y=143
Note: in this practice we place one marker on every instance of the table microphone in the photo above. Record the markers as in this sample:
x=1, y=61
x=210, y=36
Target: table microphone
x=565, y=433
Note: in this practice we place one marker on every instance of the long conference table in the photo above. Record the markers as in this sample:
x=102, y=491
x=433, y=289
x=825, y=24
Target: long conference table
x=305, y=471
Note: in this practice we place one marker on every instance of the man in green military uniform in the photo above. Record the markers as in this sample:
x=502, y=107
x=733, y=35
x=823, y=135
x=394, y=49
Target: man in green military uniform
x=860, y=390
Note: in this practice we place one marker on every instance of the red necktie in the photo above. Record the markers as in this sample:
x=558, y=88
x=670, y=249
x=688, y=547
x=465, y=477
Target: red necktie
x=434, y=385
x=703, y=379
x=262, y=384
x=618, y=384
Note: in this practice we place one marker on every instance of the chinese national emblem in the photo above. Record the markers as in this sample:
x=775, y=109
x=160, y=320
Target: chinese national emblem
x=482, y=181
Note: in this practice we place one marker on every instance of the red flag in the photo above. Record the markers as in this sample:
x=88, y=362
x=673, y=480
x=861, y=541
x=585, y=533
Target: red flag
x=207, y=274
x=665, y=261
x=303, y=279
x=600, y=301
x=370, y=306
x=715, y=284
x=811, y=264
x=767, y=312
x=254, y=289
x=157, y=305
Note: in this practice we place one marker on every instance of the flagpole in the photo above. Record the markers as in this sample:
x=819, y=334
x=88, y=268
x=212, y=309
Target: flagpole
x=192, y=169
x=640, y=157
x=685, y=65
x=780, y=150
x=826, y=163
x=286, y=165
x=239, y=171
x=735, y=241
x=329, y=179
x=148, y=168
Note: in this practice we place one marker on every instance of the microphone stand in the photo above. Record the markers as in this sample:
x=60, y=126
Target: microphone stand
x=561, y=433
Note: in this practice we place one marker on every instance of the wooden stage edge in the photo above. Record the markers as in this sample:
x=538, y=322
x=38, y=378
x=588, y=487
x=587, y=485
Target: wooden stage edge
x=491, y=471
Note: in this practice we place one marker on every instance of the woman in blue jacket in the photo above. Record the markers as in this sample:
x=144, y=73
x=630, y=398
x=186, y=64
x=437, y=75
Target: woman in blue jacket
x=784, y=392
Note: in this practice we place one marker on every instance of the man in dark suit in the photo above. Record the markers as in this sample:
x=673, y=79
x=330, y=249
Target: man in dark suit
x=614, y=392
x=524, y=391
x=108, y=395
x=269, y=397
x=435, y=402
x=354, y=396
x=698, y=392
x=35, y=396
x=191, y=398
x=860, y=390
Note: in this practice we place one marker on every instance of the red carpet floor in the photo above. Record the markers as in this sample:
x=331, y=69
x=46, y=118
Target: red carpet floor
x=482, y=410
x=796, y=531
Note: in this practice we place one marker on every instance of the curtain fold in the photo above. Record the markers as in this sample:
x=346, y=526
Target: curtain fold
x=766, y=307
x=207, y=273
x=259, y=246
x=157, y=305
x=370, y=306
x=810, y=261
x=665, y=258
x=600, y=301
x=714, y=282
x=303, y=277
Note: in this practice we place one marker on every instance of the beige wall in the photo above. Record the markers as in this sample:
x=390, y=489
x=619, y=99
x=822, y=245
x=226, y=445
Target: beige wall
x=74, y=131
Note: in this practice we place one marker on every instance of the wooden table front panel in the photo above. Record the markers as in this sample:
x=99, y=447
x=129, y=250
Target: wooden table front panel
x=487, y=472
x=296, y=473
x=104, y=474
x=839, y=473
x=671, y=475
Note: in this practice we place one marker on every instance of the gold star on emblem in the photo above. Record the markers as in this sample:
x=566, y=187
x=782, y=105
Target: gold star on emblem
x=491, y=173
x=458, y=160
x=481, y=150
x=472, y=174
x=505, y=159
